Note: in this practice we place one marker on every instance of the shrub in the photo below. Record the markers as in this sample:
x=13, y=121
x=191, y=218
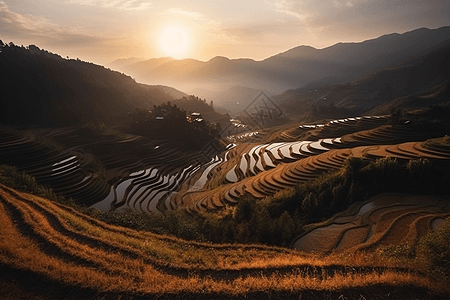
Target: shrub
x=175, y=223
x=434, y=251
x=398, y=252
x=21, y=181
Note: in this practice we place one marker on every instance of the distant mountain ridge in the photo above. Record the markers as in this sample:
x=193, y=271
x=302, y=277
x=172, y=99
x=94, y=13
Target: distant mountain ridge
x=415, y=82
x=125, y=61
x=294, y=68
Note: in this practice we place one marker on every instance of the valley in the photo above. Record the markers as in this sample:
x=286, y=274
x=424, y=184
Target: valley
x=334, y=187
x=163, y=178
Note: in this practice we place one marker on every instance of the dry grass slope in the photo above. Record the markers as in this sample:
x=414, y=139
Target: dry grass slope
x=48, y=250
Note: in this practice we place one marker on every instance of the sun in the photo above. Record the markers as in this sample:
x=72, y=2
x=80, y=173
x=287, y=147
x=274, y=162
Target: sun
x=174, y=41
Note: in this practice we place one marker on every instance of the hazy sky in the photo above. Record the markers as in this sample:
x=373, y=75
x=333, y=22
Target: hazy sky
x=103, y=30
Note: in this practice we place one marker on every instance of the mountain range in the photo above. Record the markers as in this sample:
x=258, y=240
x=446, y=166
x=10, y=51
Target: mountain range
x=396, y=70
x=415, y=82
x=299, y=67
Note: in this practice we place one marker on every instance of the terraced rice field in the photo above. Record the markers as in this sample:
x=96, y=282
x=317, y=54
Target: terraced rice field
x=334, y=128
x=163, y=178
x=383, y=220
x=58, y=158
x=288, y=174
x=266, y=156
x=63, y=170
x=48, y=250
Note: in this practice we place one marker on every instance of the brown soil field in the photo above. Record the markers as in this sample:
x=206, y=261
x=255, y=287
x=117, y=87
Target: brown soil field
x=383, y=220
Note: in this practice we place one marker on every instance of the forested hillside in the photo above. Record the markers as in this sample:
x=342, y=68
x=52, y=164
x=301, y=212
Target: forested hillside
x=43, y=88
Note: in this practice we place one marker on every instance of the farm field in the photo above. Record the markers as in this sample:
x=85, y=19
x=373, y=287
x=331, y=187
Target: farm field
x=262, y=170
x=382, y=221
x=93, y=168
x=60, y=253
x=69, y=254
x=131, y=173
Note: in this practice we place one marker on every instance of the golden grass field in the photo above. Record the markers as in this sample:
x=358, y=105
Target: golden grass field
x=51, y=251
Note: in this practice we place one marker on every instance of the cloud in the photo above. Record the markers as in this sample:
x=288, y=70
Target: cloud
x=262, y=33
x=39, y=29
x=353, y=19
x=288, y=7
x=127, y=5
x=394, y=14
x=238, y=33
x=15, y=23
x=309, y=9
x=190, y=14
x=323, y=23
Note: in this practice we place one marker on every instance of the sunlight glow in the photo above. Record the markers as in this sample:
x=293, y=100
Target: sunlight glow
x=174, y=41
